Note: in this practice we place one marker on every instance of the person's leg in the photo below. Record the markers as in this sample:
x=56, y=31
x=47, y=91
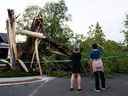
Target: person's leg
x=78, y=81
x=102, y=79
x=97, y=84
x=72, y=81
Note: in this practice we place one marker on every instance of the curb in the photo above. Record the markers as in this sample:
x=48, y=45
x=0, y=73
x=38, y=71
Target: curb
x=22, y=82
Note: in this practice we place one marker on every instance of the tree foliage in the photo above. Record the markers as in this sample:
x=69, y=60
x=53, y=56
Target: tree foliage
x=26, y=18
x=55, y=17
x=114, y=57
x=95, y=34
x=126, y=30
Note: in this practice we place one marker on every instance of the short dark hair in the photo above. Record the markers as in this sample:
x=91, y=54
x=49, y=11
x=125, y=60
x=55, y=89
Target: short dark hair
x=94, y=46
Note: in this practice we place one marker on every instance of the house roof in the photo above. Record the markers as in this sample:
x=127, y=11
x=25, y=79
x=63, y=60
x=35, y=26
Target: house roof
x=4, y=45
x=3, y=38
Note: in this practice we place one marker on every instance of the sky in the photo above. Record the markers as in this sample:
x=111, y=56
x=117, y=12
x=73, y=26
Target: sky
x=109, y=13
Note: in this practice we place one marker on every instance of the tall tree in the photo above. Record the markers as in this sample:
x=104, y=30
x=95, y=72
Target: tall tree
x=126, y=30
x=96, y=34
x=54, y=16
x=55, y=20
x=26, y=18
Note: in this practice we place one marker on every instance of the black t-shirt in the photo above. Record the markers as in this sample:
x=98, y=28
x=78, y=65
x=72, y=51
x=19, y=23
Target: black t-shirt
x=76, y=57
x=76, y=62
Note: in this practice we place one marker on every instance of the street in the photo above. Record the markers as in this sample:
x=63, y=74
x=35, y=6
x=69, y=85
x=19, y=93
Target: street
x=116, y=86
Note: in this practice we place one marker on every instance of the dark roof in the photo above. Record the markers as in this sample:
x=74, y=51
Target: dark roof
x=3, y=38
x=4, y=45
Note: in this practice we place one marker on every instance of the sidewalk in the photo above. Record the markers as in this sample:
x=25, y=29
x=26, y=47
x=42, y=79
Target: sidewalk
x=23, y=80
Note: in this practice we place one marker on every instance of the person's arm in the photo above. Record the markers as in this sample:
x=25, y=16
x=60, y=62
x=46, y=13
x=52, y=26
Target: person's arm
x=80, y=56
x=71, y=57
x=90, y=65
x=90, y=62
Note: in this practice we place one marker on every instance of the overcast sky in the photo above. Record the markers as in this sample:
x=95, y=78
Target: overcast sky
x=109, y=13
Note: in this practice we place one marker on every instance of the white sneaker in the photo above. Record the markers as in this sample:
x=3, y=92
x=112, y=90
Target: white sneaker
x=103, y=89
x=97, y=90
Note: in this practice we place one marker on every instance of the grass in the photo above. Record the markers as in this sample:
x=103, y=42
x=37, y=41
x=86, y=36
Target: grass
x=57, y=74
x=15, y=73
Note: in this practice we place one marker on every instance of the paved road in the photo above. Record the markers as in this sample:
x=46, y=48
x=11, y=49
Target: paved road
x=117, y=86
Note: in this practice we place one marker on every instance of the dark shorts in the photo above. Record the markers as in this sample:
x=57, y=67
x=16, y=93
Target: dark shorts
x=76, y=68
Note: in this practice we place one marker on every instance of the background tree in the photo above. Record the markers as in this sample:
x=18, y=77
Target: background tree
x=96, y=34
x=113, y=55
x=126, y=30
x=55, y=18
x=24, y=21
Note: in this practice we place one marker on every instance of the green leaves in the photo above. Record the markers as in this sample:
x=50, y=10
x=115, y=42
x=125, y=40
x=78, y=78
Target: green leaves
x=126, y=30
x=25, y=21
x=55, y=18
x=95, y=34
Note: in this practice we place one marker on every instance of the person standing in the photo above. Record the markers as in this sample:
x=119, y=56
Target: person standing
x=76, y=64
x=97, y=67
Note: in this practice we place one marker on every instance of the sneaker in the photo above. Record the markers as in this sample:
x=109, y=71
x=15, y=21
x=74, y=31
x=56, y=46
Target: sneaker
x=103, y=89
x=71, y=89
x=79, y=89
x=97, y=90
